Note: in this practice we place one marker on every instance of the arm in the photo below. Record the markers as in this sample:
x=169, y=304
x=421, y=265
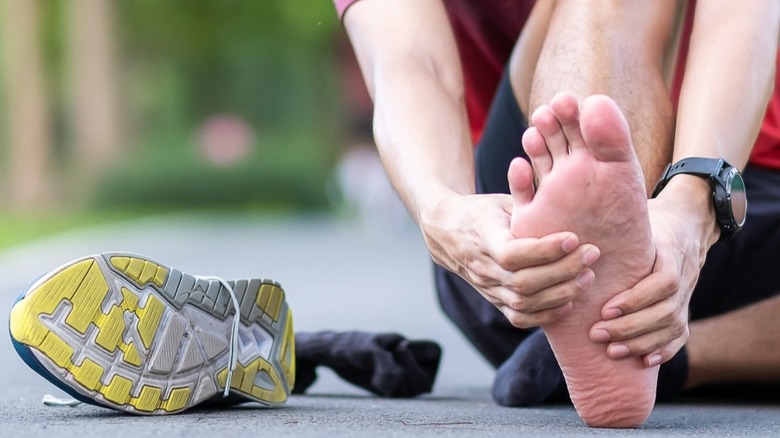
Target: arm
x=408, y=56
x=729, y=78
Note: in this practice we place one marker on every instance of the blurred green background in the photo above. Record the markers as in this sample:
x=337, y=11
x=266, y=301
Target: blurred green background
x=112, y=109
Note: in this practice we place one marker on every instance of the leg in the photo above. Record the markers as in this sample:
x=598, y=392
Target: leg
x=632, y=44
x=735, y=306
x=483, y=325
x=590, y=182
x=736, y=347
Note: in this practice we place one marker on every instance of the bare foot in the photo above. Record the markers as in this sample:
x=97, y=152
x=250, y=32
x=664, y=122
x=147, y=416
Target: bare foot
x=590, y=182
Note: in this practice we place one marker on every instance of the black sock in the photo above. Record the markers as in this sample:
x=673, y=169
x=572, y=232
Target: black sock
x=672, y=376
x=530, y=376
x=386, y=364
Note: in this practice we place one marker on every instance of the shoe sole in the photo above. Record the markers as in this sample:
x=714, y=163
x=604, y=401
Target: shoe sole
x=135, y=335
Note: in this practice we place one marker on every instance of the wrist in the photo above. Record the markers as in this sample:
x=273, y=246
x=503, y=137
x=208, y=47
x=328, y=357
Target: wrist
x=436, y=207
x=692, y=196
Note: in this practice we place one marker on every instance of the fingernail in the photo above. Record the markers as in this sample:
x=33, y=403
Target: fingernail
x=584, y=279
x=569, y=244
x=612, y=313
x=654, y=360
x=590, y=256
x=618, y=351
x=599, y=335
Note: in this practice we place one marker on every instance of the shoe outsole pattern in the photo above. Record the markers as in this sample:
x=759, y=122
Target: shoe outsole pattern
x=135, y=335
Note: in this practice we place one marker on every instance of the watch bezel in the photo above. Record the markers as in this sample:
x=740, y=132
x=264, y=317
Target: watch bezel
x=733, y=175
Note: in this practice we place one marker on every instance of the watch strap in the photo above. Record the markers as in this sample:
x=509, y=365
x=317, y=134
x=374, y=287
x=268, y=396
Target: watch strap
x=699, y=166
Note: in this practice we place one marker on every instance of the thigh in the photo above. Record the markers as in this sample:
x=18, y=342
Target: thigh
x=744, y=270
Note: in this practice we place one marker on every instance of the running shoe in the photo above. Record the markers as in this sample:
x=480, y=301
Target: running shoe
x=126, y=332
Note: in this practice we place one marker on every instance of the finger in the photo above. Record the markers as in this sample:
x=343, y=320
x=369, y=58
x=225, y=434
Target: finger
x=665, y=353
x=549, y=298
x=513, y=254
x=652, y=289
x=662, y=316
x=646, y=345
x=661, y=284
x=539, y=279
x=644, y=337
x=523, y=320
x=519, y=254
x=532, y=280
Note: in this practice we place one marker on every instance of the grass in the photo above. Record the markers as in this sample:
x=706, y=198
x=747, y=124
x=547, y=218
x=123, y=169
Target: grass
x=17, y=229
x=290, y=173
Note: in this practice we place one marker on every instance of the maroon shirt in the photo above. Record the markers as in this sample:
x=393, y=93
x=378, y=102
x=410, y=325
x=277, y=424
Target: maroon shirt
x=485, y=33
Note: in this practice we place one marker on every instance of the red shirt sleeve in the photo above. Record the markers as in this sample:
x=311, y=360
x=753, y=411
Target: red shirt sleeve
x=342, y=5
x=766, y=151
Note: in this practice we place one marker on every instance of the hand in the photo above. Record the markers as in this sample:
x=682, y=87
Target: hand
x=531, y=281
x=651, y=319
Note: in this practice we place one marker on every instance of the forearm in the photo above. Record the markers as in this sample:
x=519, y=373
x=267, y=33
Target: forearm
x=422, y=134
x=410, y=63
x=728, y=81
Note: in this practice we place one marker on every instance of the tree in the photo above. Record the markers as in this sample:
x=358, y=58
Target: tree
x=29, y=130
x=92, y=77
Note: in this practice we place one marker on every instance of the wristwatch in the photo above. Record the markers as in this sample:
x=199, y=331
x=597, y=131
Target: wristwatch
x=728, y=189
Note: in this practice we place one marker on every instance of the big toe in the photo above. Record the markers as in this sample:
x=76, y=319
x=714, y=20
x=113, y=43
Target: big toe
x=605, y=130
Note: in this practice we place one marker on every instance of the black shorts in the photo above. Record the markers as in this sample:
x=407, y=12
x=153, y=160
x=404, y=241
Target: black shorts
x=740, y=272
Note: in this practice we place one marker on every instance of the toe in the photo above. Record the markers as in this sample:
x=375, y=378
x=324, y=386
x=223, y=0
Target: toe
x=521, y=184
x=548, y=126
x=537, y=151
x=566, y=109
x=605, y=130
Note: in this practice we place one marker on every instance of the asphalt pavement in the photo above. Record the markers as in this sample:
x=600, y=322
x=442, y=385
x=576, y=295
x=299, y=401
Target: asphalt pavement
x=339, y=275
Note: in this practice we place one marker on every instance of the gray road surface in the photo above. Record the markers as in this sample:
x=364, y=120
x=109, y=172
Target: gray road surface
x=338, y=275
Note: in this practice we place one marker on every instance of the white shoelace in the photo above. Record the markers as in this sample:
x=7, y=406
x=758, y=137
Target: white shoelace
x=50, y=400
x=233, y=349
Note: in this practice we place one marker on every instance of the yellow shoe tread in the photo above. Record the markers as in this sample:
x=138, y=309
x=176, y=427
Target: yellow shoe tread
x=84, y=291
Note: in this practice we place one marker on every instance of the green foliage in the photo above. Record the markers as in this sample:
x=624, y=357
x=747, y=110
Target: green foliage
x=271, y=63
x=268, y=62
x=16, y=229
x=172, y=179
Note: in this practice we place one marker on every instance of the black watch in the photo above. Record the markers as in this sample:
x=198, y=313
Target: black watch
x=728, y=189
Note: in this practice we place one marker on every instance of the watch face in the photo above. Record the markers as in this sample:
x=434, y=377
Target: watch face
x=738, y=198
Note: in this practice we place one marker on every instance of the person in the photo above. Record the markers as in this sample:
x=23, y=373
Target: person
x=433, y=86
